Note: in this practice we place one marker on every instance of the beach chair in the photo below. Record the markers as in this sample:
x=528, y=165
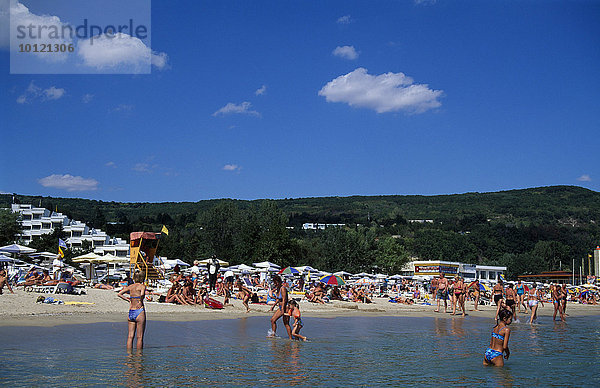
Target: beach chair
x=249, y=284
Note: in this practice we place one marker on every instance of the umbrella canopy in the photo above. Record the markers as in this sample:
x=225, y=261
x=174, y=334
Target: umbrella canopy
x=16, y=248
x=266, y=264
x=221, y=262
x=333, y=280
x=306, y=268
x=381, y=276
x=364, y=280
x=244, y=267
x=363, y=274
x=396, y=277
x=288, y=270
x=114, y=259
x=6, y=259
x=88, y=258
x=342, y=273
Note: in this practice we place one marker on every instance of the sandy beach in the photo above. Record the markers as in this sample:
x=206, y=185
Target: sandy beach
x=21, y=309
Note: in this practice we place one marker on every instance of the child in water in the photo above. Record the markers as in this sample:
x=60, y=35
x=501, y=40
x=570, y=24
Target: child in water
x=294, y=311
x=499, y=340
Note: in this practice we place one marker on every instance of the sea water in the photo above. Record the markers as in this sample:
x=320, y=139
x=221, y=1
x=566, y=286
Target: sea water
x=349, y=351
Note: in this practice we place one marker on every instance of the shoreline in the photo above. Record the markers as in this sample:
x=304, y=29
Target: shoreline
x=103, y=306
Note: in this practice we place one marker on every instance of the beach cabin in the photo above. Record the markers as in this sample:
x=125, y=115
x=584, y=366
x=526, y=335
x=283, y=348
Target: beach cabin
x=142, y=248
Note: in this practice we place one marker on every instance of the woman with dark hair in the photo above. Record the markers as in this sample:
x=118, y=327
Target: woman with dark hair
x=499, y=341
x=281, y=297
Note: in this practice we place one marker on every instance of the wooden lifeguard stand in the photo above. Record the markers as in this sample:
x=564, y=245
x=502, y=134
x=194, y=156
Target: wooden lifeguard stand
x=142, y=248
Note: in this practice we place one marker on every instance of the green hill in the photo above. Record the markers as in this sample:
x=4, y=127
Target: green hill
x=528, y=230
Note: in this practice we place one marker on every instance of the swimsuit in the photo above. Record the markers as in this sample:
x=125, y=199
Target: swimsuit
x=533, y=303
x=520, y=290
x=492, y=353
x=133, y=314
x=510, y=302
x=497, y=298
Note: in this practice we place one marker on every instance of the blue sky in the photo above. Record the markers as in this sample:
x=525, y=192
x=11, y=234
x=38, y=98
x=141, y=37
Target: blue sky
x=272, y=99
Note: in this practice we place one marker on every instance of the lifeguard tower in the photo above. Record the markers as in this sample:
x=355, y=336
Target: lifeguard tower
x=142, y=248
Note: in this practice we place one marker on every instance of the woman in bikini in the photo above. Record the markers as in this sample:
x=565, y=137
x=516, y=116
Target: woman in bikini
x=556, y=294
x=459, y=296
x=244, y=294
x=532, y=297
x=282, y=302
x=521, y=296
x=137, y=314
x=499, y=341
x=498, y=292
x=511, y=300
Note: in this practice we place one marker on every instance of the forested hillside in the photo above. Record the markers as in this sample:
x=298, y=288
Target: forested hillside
x=527, y=230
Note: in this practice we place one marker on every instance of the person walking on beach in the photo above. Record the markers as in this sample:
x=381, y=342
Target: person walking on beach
x=459, y=296
x=499, y=341
x=281, y=296
x=433, y=288
x=244, y=294
x=533, y=302
x=521, y=296
x=564, y=294
x=137, y=313
x=476, y=293
x=4, y=281
x=213, y=270
x=498, y=291
x=294, y=311
x=556, y=294
x=511, y=301
x=442, y=292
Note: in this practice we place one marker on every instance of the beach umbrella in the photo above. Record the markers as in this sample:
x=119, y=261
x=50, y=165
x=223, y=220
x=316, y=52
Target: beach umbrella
x=334, y=280
x=266, y=264
x=364, y=281
x=221, y=262
x=342, y=273
x=363, y=275
x=288, y=270
x=483, y=287
x=16, y=248
x=306, y=268
x=88, y=258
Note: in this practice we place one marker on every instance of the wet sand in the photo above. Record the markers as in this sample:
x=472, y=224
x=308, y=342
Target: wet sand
x=21, y=309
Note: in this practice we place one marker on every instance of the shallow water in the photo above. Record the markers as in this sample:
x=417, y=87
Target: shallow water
x=357, y=351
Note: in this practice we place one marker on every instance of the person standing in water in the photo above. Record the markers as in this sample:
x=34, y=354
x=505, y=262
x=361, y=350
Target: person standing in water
x=556, y=294
x=281, y=297
x=533, y=301
x=476, y=293
x=442, y=292
x=499, y=341
x=137, y=313
x=294, y=311
x=521, y=296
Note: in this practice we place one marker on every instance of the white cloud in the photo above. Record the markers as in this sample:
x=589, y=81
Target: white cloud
x=87, y=98
x=346, y=52
x=17, y=18
x=231, y=108
x=231, y=167
x=53, y=93
x=262, y=90
x=425, y=2
x=389, y=92
x=34, y=92
x=69, y=182
x=111, y=164
x=123, y=108
x=346, y=19
x=119, y=51
x=142, y=167
x=585, y=178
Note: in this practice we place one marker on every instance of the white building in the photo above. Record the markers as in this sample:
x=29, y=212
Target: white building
x=315, y=226
x=37, y=221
